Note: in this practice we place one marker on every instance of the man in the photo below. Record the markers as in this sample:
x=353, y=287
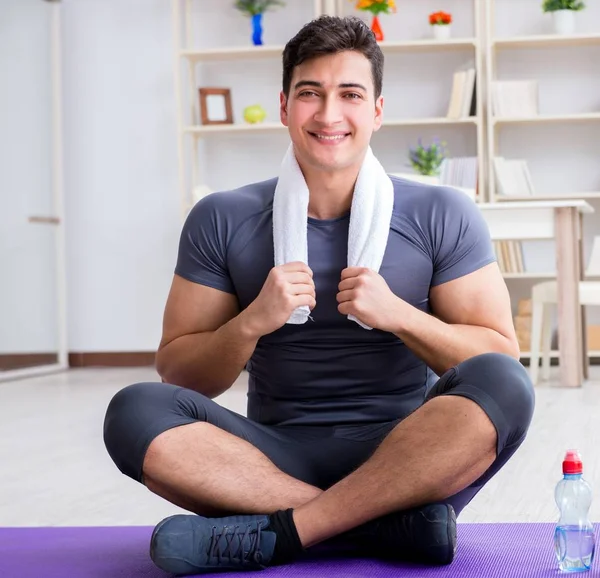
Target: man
x=348, y=435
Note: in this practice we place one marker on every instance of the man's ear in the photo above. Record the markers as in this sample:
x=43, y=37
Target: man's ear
x=283, y=115
x=378, y=113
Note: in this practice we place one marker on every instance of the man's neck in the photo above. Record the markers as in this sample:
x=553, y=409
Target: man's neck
x=330, y=192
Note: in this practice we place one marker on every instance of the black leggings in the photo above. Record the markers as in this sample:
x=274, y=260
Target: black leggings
x=320, y=455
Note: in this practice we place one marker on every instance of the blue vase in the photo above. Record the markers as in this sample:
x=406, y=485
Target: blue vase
x=257, y=29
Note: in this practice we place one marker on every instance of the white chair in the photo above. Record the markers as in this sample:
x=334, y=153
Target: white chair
x=543, y=295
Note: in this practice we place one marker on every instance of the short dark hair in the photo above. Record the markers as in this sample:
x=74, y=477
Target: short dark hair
x=330, y=35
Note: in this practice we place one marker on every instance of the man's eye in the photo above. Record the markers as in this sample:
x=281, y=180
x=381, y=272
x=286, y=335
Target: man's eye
x=353, y=95
x=307, y=93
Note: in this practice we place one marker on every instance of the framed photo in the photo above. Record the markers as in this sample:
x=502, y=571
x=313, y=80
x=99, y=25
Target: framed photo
x=215, y=106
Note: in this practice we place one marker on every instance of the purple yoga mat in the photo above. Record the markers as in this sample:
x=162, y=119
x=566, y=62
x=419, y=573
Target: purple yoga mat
x=484, y=550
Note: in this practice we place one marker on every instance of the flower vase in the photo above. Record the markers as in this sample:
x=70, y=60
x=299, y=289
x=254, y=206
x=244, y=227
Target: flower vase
x=376, y=28
x=564, y=21
x=441, y=31
x=257, y=29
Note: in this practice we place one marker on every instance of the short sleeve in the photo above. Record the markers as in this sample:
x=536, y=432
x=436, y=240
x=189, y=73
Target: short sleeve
x=203, y=245
x=460, y=235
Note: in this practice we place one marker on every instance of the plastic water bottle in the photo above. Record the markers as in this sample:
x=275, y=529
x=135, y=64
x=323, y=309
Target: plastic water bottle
x=574, y=535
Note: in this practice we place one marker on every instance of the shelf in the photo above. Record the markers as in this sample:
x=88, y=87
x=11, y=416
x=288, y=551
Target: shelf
x=233, y=128
x=275, y=51
x=567, y=196
x=232, y=53
x=526, y=275
x=554, y=354
x=427, y=44
x=276, y=126
x=441, y=120
x=547, y=40
x=545, y=275
x=547, y=118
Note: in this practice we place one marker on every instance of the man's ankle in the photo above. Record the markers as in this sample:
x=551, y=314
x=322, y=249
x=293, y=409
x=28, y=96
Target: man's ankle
x=288, y=545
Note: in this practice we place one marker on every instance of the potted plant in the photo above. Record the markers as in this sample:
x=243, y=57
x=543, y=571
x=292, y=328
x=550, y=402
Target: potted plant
x=427, y=160
x=255, y=10
x=441, y=24
x=376, y=7
x=563, y=14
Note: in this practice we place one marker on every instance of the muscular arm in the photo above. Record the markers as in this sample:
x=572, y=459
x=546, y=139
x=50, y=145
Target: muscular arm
x=206, y=342
x=471, y=315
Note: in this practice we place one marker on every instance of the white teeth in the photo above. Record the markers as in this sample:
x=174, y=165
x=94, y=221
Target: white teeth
x=336, y=137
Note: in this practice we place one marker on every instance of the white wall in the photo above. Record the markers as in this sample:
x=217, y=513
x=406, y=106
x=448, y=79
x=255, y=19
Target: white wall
x=120, y=162
x=27, y=258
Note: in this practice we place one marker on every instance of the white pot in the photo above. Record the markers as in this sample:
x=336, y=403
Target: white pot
x=441, y=31
x=564, y=21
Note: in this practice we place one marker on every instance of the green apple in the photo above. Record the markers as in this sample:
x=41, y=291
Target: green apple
x=254, y=113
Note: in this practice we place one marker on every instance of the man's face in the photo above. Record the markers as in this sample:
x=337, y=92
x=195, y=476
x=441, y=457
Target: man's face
x=331, y=111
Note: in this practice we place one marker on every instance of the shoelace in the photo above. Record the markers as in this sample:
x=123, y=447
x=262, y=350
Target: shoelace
x=222, y=545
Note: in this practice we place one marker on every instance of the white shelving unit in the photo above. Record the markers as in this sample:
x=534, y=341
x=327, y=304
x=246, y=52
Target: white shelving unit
x=497, y=47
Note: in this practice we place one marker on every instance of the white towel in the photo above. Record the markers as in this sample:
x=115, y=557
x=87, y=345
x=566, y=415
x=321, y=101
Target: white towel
x=370, y=216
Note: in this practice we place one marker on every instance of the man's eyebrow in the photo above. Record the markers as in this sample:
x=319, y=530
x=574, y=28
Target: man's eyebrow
x=302, y=83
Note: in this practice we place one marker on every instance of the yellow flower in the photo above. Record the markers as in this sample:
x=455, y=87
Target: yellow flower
x=364, y=4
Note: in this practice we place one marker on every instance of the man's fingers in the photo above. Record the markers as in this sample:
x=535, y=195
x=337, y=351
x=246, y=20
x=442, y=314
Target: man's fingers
x=301, y=300
x=302, y=289
x=299, y=277
x=352, y=272
x=296, y=266
x=344, y=296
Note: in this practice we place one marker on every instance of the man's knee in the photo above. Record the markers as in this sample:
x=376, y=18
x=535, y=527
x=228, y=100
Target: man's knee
x=502, y=388
x=135, y=416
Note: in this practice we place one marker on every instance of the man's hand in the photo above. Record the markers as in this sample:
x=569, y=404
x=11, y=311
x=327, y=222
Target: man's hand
x=365, y=294
x=287, y=287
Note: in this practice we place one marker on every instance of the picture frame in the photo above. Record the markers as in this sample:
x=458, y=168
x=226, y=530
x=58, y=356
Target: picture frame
x=215, y=106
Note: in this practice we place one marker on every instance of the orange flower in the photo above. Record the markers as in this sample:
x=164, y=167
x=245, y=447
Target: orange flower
x=376, y=6
x=440, y=18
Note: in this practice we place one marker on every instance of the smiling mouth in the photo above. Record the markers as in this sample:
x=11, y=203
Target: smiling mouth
x=329, y=138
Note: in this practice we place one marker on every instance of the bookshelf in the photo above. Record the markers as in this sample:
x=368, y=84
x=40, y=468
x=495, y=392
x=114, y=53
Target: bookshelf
x=527, y=50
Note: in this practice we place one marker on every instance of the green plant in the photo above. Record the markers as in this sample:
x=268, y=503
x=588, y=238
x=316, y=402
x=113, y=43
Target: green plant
x=426, y=160
x=254, y=7
x=554, y=5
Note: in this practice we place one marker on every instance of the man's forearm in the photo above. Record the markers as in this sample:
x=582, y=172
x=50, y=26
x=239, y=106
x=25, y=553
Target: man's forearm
x=441, y=345
x=208, y=362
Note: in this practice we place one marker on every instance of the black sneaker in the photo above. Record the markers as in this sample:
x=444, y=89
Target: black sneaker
x=189, y=544
x=425, y=535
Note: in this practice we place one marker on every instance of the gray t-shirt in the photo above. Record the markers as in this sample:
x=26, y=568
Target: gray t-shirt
x=330, y=370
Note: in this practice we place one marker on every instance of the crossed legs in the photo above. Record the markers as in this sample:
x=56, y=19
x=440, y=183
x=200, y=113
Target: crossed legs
x=476, y=417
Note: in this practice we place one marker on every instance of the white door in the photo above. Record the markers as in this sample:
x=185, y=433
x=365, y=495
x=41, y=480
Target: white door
x=32, y=281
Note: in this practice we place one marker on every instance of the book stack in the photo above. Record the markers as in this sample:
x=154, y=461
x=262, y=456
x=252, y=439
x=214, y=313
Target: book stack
x=513, y=178
x=522, y=323
x=460, y=172
x=463, y=100
x=510, y=256
x=515, y=98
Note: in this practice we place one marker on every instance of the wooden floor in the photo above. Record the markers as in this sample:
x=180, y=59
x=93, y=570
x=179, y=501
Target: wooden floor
x=55, y=470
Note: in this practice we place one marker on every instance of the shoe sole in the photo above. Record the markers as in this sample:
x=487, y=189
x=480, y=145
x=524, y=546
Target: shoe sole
x=451, y=535
x=152, y=540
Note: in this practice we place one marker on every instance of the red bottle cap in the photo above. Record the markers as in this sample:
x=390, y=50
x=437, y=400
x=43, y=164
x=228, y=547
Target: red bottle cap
x=572, y=463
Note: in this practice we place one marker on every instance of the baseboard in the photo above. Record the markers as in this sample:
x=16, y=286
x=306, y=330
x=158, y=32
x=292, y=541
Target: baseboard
x=10, y=361
x=112, y=359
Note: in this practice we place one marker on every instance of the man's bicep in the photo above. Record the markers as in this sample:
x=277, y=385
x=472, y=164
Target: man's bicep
x=195, y=308
x=480, y=298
